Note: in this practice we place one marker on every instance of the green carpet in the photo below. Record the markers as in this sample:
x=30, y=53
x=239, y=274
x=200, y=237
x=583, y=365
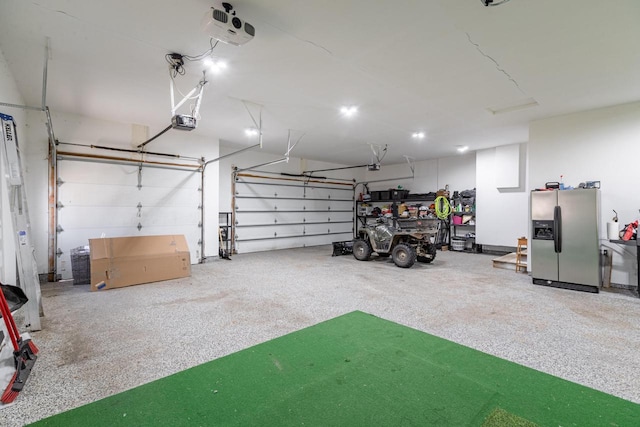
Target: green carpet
x=356, y=370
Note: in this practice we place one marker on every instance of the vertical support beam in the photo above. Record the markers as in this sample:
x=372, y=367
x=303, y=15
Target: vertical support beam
x=232, y=235
x=52, y=274
x=202, y=209
x=44, y=74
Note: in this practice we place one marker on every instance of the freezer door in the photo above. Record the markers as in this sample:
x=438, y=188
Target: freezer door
x=579, y=261
x=544, y=260
x=542, y=204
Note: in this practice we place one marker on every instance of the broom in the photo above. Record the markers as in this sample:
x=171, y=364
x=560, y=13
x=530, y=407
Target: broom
x=24, y=354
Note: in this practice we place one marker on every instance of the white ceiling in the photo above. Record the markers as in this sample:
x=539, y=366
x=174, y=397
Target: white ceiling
x=409, y=65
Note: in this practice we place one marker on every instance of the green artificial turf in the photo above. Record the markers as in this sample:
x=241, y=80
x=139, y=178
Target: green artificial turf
x=501, y=418
x=356, y=370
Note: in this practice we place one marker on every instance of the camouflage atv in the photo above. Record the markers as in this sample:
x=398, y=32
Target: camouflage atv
x=411, y=241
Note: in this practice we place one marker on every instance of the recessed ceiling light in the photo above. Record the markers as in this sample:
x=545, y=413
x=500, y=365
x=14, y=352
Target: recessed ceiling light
x=417, y=135
x=251, y=132
x=215, y=65
x=462, y=148
x=349, y=110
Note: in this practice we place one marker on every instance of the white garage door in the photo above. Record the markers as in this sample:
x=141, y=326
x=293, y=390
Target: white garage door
x=274, y=213
x=115, y=200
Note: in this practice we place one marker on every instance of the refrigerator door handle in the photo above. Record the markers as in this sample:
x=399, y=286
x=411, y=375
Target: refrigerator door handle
x=557, y=229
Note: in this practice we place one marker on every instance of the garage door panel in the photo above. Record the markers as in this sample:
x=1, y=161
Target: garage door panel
x=106, y=199
x=281, y=205
x=269, y=232
x=170, y=216
x=169, y=178
x=73, y=171
x=269, y=218
x=88, y=194
x=274, y=215
x=327, y=228
x=256, y=205
x=83, y=217
x=288, y=243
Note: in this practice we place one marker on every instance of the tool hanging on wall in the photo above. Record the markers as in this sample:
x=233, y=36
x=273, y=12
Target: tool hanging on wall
x=25, y=253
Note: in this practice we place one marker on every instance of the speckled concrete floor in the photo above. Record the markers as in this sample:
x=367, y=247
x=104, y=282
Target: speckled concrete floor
x=96, y=344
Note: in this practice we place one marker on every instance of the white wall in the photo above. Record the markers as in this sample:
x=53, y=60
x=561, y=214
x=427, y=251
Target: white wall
x=9, y=94
x=70, y=128
x=598, y=145
x=458, y=172
x=501, y=213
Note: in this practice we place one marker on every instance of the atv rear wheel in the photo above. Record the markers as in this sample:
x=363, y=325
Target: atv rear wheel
x=361, y=250
x=431, y=254
x=403, y=255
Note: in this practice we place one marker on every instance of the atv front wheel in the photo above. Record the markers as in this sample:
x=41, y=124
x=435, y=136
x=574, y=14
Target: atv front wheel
x=403, y=255
x=361, y=250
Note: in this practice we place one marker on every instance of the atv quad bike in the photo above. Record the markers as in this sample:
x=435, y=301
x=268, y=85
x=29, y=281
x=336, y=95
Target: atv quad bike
x=407, y=243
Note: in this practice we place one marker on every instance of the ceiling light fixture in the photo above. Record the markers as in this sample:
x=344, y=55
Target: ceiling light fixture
x=216, y=66
x=462, y=148
x=527, y=103
x=349, y=111
x=251, y=132
x=418, y=135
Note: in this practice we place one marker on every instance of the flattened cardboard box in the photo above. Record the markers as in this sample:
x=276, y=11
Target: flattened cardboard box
x=126, y=261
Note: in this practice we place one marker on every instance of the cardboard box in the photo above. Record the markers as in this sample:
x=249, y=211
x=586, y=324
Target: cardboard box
x=126, y=261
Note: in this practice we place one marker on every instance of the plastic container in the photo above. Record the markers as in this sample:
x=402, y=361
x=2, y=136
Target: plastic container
x=81, y=265
x=457, y=220
x=457, y=244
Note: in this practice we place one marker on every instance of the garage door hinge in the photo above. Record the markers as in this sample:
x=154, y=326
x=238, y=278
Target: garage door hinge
x=59, y=229
x=59, y=205
x=59, y=252
x=200, y=206
x=59, y=181
x=275, y=220
x=139, y=226
x=200, y=225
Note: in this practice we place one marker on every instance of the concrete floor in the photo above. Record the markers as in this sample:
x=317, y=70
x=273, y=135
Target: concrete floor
x=95, y=344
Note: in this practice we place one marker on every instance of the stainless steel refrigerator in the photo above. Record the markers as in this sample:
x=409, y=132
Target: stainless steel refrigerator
x=565, y=246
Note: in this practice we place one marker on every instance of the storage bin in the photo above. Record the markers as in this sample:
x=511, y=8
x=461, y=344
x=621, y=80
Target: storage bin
x=457, y=220
x=81, y=265
x=398, y=194
x=457, y=244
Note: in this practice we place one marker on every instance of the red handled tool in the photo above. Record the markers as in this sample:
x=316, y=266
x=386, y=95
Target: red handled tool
x=24, y=353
